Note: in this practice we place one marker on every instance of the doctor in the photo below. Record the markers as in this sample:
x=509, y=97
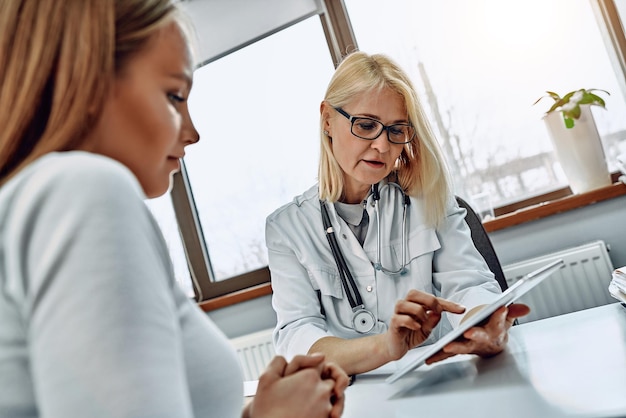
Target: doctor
x=376, y=258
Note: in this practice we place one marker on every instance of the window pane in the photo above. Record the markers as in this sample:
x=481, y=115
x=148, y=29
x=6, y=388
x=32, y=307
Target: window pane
x=163, y=211
x=479, y=66
x=257, y=111
x=621, y=9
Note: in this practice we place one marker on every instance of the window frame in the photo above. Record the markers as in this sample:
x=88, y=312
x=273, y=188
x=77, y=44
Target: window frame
x=340, y=38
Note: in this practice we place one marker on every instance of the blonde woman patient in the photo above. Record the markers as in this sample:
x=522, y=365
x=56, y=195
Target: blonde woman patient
x=94, y=121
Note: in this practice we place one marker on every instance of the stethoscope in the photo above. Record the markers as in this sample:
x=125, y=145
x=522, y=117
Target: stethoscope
x=363, y=320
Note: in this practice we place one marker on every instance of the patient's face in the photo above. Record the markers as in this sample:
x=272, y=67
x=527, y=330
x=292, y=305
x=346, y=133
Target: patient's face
x=145, y=122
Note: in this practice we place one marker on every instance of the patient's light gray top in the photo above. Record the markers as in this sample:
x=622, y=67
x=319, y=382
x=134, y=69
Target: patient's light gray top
x=92, y=322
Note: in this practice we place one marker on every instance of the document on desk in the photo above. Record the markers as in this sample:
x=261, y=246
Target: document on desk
x=617, y=287
x=520, y=287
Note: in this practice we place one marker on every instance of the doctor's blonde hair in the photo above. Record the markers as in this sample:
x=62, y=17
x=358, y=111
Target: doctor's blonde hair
x=421, y=168
x=59, y=59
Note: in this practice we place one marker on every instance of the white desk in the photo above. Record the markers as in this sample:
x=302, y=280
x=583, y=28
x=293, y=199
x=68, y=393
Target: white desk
x=570, y=365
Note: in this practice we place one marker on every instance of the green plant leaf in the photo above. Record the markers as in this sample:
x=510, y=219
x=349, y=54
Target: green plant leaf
x=553, y=107
x=557, y=104
x=603, y=91
x=550, y=94
x=597, y=100
x=586, y=98
x=566, y=98
x=553, y=95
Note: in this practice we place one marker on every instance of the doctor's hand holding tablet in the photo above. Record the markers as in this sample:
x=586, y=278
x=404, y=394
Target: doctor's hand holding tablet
x=417, y=315
x=484, y=340
x=484, y=330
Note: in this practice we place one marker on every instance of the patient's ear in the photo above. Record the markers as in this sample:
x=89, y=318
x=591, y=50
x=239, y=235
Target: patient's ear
x=94, y=109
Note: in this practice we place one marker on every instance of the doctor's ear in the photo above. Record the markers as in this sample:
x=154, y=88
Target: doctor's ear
x=325, y=114
x=325, y=132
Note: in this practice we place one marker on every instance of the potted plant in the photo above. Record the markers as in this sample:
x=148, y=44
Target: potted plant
x=570, y=104
x=576, y=139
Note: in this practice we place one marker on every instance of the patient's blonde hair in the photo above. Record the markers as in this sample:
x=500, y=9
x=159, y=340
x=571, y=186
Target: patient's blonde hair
x=421, y=169
x=59, y=59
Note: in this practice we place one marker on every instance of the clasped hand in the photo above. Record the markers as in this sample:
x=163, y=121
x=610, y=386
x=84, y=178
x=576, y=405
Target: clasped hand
x=308, y=386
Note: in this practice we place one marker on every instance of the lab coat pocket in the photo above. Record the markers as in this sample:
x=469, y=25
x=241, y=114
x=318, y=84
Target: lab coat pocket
x=418, y=248
x=327, y=281
x=421, y=249
x=421, y=242
x=335, y=307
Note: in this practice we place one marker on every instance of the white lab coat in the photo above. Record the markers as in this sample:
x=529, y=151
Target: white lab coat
x=442, y=261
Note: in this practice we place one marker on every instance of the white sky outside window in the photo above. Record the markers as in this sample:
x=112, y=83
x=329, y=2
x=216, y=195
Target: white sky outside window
x=257, y=112
x=487, y=62
x=621, y=9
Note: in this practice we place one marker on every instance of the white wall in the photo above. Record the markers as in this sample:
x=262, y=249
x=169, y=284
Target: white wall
x=601, y=221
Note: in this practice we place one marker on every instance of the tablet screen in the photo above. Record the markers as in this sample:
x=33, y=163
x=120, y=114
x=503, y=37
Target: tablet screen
x=520, y=287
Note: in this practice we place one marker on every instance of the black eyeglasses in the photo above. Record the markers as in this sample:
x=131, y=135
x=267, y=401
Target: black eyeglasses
x=368, y=128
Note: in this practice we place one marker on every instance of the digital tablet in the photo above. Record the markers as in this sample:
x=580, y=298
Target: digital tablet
x=507, y=297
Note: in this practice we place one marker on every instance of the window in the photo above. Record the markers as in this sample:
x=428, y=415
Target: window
x=621, y=8
x=163, y=212
x=257, y=112
x=480, y=65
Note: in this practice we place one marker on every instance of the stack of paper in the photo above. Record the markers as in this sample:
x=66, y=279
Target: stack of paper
x=617, y=287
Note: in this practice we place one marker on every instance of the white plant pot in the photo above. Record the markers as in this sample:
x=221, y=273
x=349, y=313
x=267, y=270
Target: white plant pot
x=579, y=150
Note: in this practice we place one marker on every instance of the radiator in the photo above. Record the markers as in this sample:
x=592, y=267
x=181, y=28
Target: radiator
x=581, y=283
x=255, y=351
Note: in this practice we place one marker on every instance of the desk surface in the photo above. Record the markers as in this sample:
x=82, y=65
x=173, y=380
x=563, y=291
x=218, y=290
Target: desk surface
x=572, y=365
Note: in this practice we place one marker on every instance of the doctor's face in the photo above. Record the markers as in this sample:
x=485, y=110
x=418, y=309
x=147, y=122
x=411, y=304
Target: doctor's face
x=365, y=162
x=145, y=123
